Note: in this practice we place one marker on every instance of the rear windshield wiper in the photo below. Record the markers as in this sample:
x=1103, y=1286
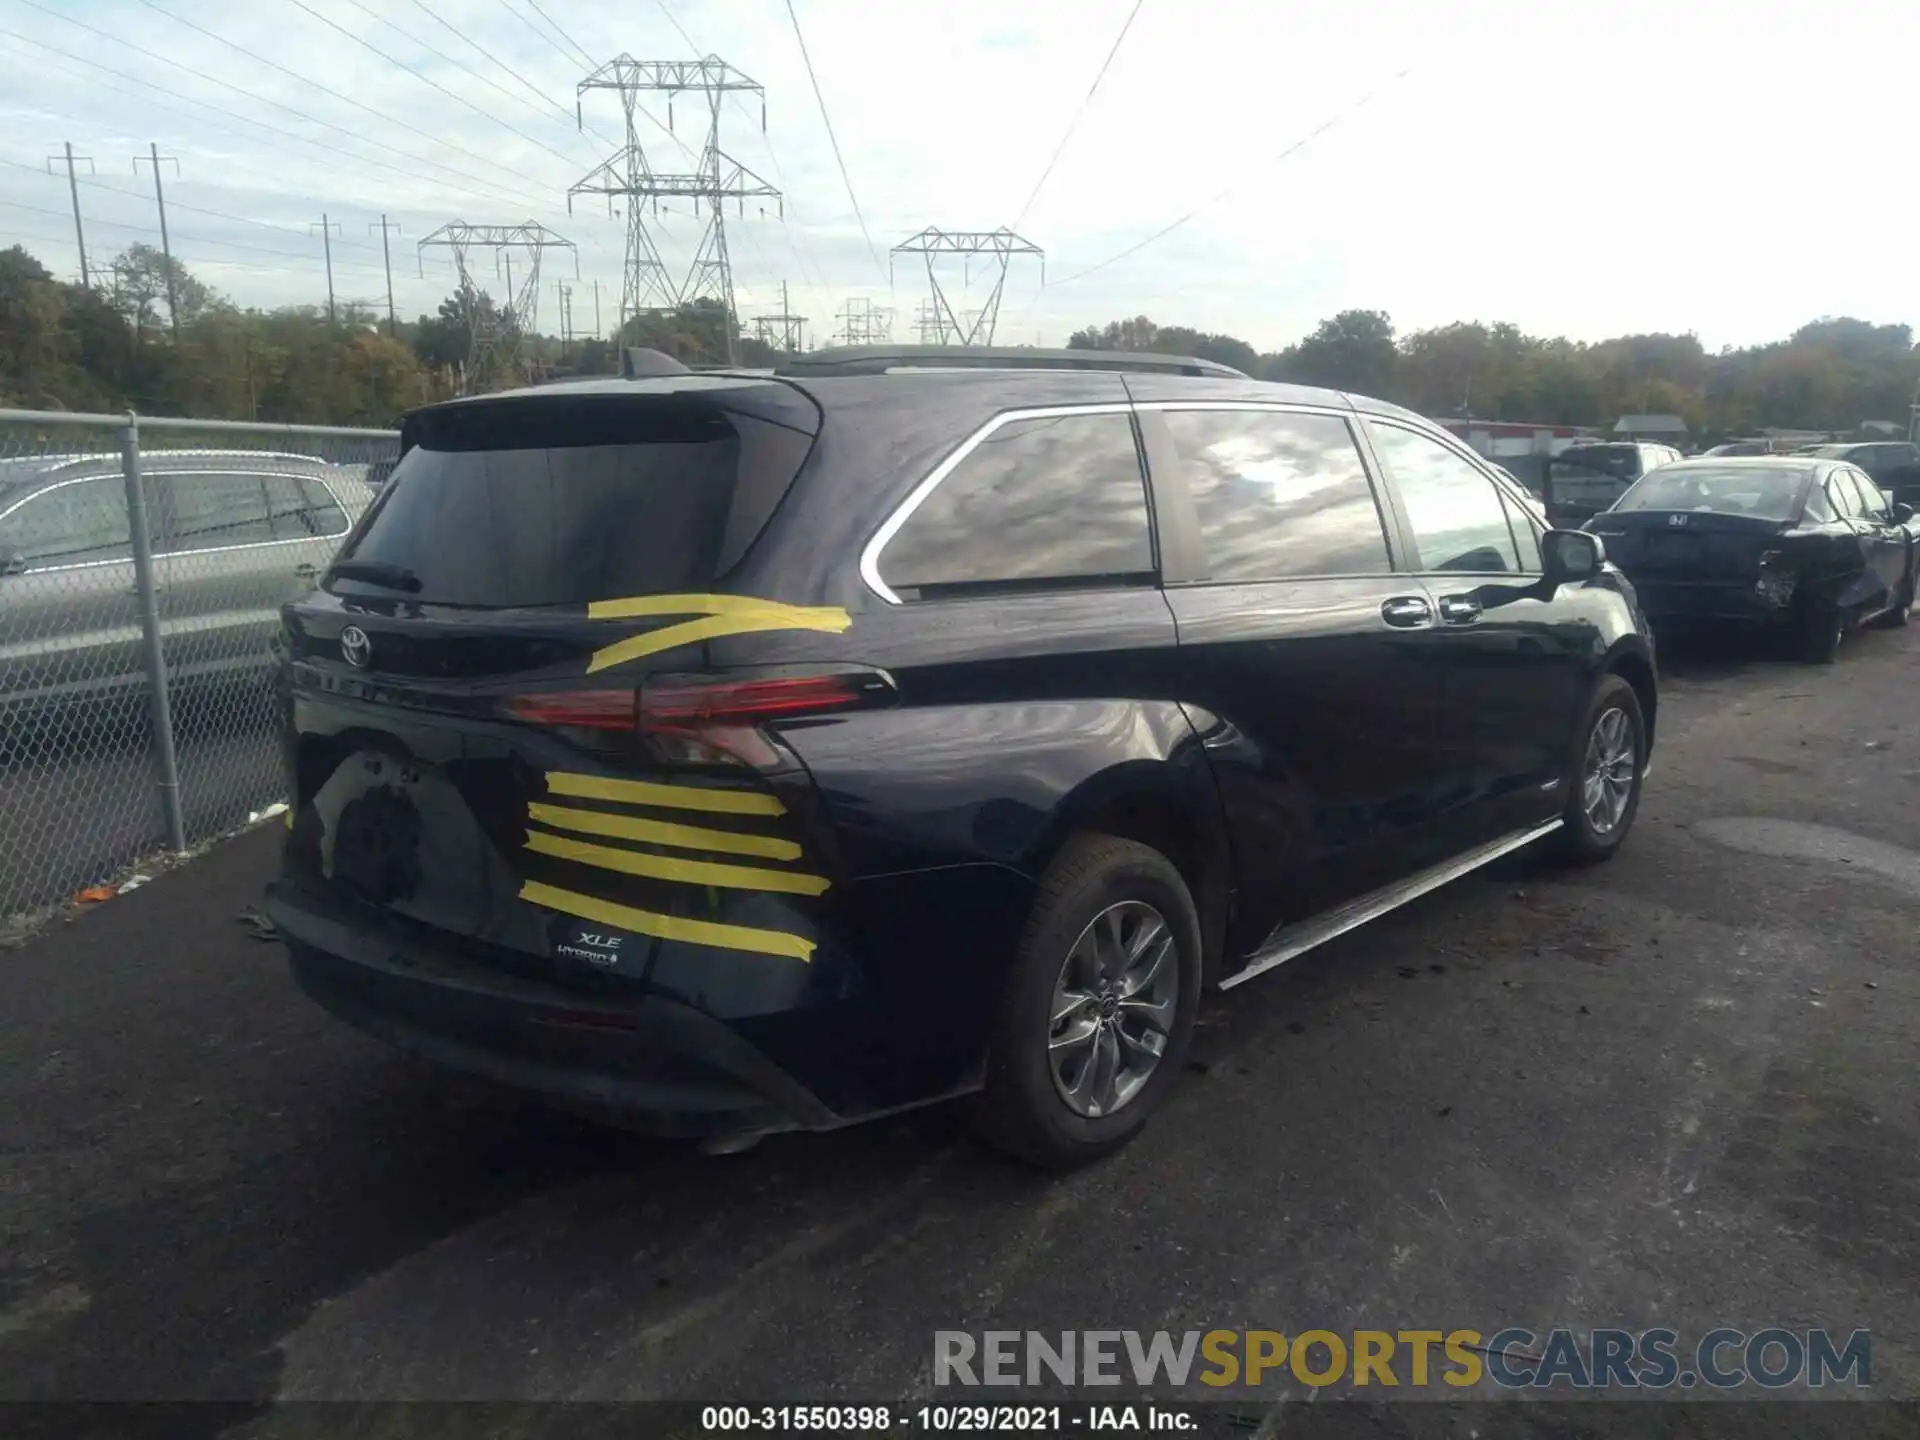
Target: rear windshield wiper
x=374, y=572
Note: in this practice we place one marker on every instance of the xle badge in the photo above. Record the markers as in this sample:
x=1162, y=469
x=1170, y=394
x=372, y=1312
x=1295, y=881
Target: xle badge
x=597, y=947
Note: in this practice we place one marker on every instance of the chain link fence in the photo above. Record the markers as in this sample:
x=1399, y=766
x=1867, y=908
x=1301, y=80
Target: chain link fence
x=142, y=566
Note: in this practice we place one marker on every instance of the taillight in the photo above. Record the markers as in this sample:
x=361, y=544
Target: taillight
x=579, y=709
x=747, y=701
x=679, y=705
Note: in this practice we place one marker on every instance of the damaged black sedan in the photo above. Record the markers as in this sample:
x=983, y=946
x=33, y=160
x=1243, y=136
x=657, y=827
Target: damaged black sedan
x=1806, y=547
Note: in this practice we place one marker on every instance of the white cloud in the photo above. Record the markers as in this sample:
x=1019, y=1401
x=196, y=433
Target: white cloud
x=1582, y=168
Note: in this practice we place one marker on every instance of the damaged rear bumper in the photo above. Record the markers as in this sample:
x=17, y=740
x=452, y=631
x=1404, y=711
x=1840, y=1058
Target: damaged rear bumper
x=643, y=1062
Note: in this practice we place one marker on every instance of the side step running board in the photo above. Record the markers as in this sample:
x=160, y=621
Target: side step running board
x=1293, y=940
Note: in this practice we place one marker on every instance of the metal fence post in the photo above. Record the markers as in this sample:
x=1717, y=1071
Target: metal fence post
x=166, y=763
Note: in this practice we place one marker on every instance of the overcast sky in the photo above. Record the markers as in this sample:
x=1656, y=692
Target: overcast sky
x=1576, y=168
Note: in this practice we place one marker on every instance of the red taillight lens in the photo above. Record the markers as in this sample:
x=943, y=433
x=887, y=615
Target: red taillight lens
x=678, y=707
x=740, y=702
x=579, y=709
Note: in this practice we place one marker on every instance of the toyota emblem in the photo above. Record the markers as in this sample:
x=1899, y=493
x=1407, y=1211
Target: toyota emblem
x=355, y=648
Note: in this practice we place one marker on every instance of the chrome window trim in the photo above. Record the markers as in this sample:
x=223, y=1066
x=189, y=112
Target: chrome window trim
x=332, y=494
x=903, y=512
x=1299, y=407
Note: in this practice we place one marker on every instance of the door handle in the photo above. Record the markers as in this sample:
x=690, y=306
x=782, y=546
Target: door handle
x=1406, y=612
x=1459, y=609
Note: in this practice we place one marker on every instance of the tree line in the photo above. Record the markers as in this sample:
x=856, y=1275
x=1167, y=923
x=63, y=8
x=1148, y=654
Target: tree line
x=1829, y=375
x=134, y=340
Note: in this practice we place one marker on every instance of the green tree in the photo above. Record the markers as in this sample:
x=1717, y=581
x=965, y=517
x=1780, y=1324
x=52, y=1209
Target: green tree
x=1352, y=351
x=137, y=285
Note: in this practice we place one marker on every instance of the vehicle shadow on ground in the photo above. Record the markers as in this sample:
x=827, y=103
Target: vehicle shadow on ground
x=1719, y=655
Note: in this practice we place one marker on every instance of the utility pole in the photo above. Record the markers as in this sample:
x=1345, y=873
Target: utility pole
x=596, y=310
x=166, y=247
x=73, y=184
x=393, y=325
x=627, y=174
x=564, y=293
x=1001, y=245
x=326, y=228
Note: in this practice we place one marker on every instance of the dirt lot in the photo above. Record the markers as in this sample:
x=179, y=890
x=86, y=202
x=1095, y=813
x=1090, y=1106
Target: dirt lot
x=1679, y=1089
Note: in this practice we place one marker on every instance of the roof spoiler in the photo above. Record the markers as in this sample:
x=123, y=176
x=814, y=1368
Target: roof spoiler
x=638, y=362
x=879, y=359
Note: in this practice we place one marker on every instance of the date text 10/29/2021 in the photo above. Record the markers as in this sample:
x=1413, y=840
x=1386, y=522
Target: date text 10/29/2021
x=941, y=1419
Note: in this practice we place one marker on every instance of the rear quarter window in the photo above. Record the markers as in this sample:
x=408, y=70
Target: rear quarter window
x=1041, y=501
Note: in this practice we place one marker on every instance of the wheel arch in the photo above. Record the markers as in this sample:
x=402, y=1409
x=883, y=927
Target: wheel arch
x=1167, y=805
x=1636, y=668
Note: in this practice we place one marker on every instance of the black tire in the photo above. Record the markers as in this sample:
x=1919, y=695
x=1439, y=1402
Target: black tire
x=1580, y=840
x=1817, y=637
x=1021, y=1110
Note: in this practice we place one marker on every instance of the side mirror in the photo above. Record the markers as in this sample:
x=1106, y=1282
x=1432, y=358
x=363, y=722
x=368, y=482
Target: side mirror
x=12, y=562
x=1902, y=514
x=1569, y=556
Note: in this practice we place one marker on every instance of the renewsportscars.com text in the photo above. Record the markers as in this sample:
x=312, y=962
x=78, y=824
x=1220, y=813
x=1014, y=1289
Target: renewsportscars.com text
x=1512, y=1358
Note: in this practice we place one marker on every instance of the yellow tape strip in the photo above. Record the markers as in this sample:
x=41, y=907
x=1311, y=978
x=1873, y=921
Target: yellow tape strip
x=663, y=832
x=668, y=867
x=668, y=927
x=715, y=627
x=669, y=797
x=805, y=617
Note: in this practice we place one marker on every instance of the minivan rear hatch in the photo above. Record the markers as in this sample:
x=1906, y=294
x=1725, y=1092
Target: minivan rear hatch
x=506, y=723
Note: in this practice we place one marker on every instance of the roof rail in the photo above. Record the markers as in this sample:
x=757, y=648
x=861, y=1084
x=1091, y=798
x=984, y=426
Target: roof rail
x=638, y=362
x=880, y=359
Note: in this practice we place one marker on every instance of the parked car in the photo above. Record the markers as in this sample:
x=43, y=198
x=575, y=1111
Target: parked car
x=1877, y=457
x=1584, y=480
x=730, y=752
x=1807, y=547
x=234, y=535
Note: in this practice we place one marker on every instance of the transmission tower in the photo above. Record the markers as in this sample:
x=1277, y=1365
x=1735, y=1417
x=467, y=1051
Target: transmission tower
x=495, y=332
x=786, y=332
x=864, y=323
x=719, y=178
x=1000, y=246
x=929, y=325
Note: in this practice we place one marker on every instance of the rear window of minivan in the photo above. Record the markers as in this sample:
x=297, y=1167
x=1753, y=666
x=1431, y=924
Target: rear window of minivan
x=560, y=501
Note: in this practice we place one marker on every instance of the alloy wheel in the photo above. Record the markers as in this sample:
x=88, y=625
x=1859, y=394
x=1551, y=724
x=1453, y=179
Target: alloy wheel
x=1609, y=774
x=1113, y=1008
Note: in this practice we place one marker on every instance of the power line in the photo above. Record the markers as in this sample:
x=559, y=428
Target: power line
x=98, y=224
x=216, y=263
x=674, y=20
x=1078, y=115
x=312, y=84
x=245, y=94
x=369, y=46
x=181, y=205
x=832, y=139
x=547, y=39
x=476, y=46
x=460, y=65
x=540, y=10
x=1215, y=199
